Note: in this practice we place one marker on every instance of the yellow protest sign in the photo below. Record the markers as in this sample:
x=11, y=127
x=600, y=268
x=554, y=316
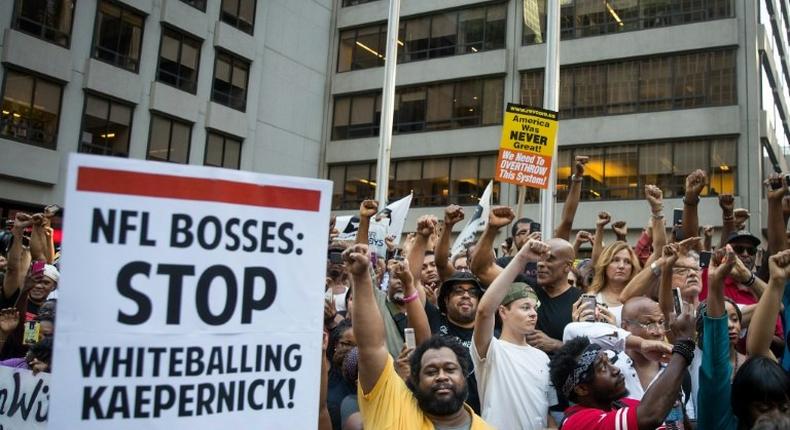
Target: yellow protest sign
x=527, y=146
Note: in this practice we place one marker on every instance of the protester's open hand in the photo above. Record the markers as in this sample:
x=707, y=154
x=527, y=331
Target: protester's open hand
x=356, y=259
x=9, y=320
x=403, y=362
x=655, y=197
x=695, y=182
x=452, y=215
x=727, y=203
x=721, y=264
x=741, y=215
x=620, y=229
x=779, y=266
x=500, y=216
x=581, y=160
x=603, y=219
x=426, y=225
x=685, y=245
x=656, y=350
x=368, y=208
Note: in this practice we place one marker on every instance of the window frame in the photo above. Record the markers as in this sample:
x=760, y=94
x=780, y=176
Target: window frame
x=218, y=52
x=94, y=41
x=111, y=99
x=36, y=76
x=191, y=3
x=16, y=16
x=673, y=102
x=225, y=137
x=237, y=19
x=182, y=35
x=172, y=120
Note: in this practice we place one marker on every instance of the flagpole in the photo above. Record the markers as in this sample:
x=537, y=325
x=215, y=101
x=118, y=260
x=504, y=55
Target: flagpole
x=551, y=102
x=387, y=105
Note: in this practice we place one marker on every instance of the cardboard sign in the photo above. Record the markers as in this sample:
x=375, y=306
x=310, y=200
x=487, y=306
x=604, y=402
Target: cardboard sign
x=24, y=399
x=527, y=146
x=188, y=298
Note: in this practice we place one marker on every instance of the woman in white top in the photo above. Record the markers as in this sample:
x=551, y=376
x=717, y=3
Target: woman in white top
x=615, y=267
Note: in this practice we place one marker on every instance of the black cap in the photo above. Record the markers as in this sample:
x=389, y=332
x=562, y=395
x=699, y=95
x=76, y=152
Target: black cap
x=456, y=278
x=743, y=236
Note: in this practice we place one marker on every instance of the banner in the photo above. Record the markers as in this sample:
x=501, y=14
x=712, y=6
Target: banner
x=24, y=399
x=388, y=222
x=179, y=305
x=477, y=222
x=527, y=146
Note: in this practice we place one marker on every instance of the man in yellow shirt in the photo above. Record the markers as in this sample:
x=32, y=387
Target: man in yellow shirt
x=434, y=397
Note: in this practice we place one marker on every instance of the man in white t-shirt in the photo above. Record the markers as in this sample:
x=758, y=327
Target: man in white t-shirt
x=512, y=376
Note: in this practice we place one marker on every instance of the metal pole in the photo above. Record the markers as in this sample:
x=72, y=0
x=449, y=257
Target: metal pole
x=551, y=102
x=387, y=105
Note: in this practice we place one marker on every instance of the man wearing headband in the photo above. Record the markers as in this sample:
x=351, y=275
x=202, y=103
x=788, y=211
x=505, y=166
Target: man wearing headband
x=513, y=377
x=584, y=373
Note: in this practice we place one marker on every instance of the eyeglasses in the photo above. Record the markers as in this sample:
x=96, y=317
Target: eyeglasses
x=659, y=325
x=460, y=291
x=740, y=249
x=683, y=271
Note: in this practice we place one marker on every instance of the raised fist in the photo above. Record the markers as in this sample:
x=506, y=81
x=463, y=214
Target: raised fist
x=741, y=215
x=655, y=198
x=695, y=182
x=500, y=216
x=721, y=264
x=670, y=254
x=707, y=231
x=620, y=229
x=584, y=236
x=727, y=203
x=356, y=259
x=426, y=225
x=533, y=249
x=779, y=265
x=368, y=208
x=453, y=214
x=581, y=160
x=603, y=219
x=400, y=270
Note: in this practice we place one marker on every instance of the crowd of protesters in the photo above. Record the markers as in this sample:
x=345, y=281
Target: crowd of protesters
x=672, y=331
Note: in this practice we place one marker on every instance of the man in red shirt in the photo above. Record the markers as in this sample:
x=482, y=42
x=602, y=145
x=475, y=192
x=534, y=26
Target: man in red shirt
x=584, y=373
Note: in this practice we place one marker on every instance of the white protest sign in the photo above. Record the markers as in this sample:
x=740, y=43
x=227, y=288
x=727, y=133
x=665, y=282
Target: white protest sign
x=190, y=298
x=477, y=222
x=393, y=217
x=24, y=399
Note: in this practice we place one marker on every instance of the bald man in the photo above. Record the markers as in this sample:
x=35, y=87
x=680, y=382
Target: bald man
x=642, y=317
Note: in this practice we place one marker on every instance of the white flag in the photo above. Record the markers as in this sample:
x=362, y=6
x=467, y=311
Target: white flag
x=476, y=224
x=388, y=222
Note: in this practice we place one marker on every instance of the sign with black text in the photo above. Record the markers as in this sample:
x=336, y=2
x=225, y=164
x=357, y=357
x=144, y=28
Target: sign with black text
x=24, y=399
x=190, y=298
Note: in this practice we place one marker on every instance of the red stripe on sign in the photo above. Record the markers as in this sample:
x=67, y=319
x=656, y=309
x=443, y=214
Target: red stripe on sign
x=186, y=188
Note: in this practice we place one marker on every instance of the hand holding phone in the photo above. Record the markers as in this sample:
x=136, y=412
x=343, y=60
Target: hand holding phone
x=588, y=303
x=408, y=334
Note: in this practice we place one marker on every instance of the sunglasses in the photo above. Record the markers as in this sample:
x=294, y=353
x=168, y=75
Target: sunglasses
x=739, y=249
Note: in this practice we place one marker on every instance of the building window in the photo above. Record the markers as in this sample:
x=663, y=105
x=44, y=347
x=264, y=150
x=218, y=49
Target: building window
x=119, y=34
x=50, y=20
x=179, y=58
x=222, y=151
x=355, y=2
x=169, y=139
x=197, y=4
x=106, y=127
x=679, y=81
x=443, y=106
x=434, y=181
x=584, y=18
x=31, y=109
x=239, y=13
x=617, y=172
x=230, y=81
x=448, y=33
